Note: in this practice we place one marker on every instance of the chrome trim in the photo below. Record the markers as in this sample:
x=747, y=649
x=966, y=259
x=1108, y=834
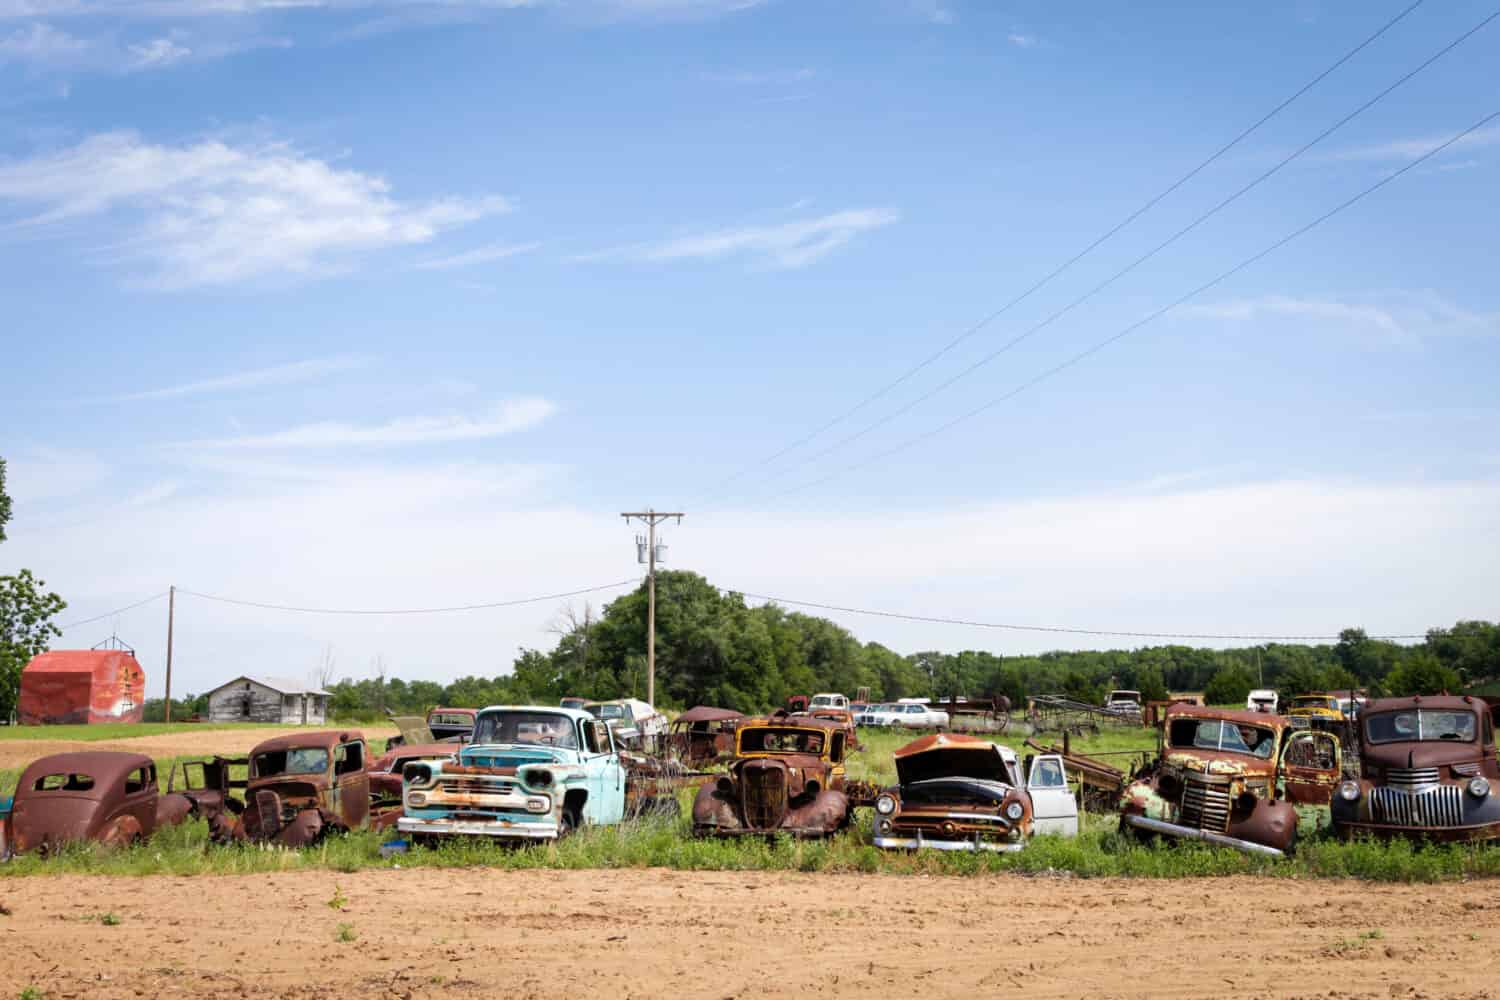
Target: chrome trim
x=1190, y=833
x=1433, y=805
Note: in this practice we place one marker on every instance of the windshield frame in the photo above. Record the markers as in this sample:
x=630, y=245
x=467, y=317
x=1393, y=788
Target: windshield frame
x=486, y=728
x=285, y=755
x=761, y=731
x=1418, y=737
x=1268, y=739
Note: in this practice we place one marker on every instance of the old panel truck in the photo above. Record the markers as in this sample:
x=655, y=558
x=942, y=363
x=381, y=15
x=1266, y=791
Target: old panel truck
x=531, y=773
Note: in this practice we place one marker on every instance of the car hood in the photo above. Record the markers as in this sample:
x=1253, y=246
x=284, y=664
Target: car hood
x=955, y=791
x=513, y=755
x=982, y=763
x=1220, y=762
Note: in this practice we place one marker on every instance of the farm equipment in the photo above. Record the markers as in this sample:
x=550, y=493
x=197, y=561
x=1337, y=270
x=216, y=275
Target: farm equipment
x=1099, y=783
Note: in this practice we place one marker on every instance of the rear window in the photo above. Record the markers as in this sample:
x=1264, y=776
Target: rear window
x=64, y=783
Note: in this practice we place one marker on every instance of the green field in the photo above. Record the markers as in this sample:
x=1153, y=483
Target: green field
x=660, y=842
x=122, y=730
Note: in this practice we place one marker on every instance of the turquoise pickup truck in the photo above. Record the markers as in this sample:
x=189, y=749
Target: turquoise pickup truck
x=530, y=773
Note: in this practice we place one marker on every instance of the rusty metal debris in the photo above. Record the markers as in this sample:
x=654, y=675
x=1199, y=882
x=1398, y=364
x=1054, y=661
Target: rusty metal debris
x=1428, y=771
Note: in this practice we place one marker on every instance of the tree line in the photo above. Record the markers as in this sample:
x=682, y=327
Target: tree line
x=714, y=649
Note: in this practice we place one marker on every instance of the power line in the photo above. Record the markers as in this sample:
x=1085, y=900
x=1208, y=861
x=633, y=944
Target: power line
x=1047, y=279
x=1169, y=241
x=933, y=620
x=117, y=611
x=407, y=611
x=1101, y=345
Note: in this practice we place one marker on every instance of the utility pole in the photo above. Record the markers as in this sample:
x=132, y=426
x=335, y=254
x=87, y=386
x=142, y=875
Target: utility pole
x=650, y=518
x=171, y=614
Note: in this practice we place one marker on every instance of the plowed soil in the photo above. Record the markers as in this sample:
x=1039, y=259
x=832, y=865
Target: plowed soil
x=666, y=934
x=16, y=754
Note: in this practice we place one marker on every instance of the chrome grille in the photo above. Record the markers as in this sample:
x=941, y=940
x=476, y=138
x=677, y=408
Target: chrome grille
x=1411, y=778
x=1205, y=805
x=471, y=786
x=1435, y=805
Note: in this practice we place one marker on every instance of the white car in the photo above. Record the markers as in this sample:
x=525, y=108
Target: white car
x=828, y=700
x=1261, y=700
x=635, y=723
x=878, y=715
x=914, y=716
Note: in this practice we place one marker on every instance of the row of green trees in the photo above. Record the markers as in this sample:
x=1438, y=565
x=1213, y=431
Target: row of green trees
x=713, y=648
x=26, y=612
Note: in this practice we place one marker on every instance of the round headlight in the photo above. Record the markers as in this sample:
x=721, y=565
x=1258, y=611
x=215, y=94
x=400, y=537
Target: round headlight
x=418, y=774
x=1479, y=787
x=885, y=805
x=1014, y=811
x=1349, y=791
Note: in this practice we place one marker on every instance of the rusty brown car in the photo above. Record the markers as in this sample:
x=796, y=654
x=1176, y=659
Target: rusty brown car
x=1427, y=771
x=703, y=734
x=98, y=795
x=787, y=776
x=385, y=770
x=306, y=785
x=1230, y=777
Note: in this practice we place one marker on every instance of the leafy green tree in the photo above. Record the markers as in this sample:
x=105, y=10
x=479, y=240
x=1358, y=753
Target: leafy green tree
x=1150, y=683
x=1420, y=673
x=4, y=502
x=1230, y=685
x=26, y=629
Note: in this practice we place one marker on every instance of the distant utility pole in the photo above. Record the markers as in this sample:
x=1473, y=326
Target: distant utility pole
x=171, y=613
x=646, y=552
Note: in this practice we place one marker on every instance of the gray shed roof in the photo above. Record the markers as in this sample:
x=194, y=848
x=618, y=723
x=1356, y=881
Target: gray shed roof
x=281, y=685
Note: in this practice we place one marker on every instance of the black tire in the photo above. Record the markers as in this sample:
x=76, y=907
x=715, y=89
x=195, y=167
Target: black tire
x=567, y=824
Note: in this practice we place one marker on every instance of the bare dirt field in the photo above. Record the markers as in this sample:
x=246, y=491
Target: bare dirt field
x=481, y=933
x=16, y=754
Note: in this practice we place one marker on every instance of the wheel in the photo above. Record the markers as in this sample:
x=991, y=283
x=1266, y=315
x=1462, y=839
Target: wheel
x=567, y=824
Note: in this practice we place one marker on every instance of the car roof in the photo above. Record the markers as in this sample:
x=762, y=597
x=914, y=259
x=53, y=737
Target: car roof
x=1182, y=710
x=576, y=714
x=1445, y=702
x=104, y=766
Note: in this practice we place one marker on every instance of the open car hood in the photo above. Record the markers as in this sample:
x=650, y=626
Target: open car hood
x=983, y=763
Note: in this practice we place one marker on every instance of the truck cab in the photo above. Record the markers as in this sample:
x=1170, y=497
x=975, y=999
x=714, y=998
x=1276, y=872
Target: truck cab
x=529, y=773
x=828, y=700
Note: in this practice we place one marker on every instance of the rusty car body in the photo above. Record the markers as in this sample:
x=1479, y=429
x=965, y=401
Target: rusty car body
x=449, y=723
x=964, y=793
x=531, y=773
x=304, y=786
x=787, y=776
x=703, y=734
x=1230, y=777
x=103, y=796
x=385, y=771
x=1428, y=771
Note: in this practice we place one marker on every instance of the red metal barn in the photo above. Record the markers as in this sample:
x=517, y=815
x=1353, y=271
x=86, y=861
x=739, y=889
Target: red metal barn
x=82, y=685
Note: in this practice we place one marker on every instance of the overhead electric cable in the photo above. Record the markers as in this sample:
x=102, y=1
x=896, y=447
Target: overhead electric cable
x=1058, y=314
x=408, y=611
x=935, y=620
x=1096, y=348
x=1046, y=279
x=111, y=614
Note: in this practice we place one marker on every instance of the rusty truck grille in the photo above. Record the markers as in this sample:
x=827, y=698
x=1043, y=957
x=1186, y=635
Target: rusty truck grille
x=1434, y=805
x=1204, y=804
x=763, y=797
x=469, y=786
x=1411, y=778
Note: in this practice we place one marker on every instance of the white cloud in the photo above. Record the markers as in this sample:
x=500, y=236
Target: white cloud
x=211, y=213
x=506, y=417
x=1410, y=149
x=423, y=536
x=1397, y=316
x=289, y=374
x=157, y=53
x=481, y=255
x=787, y=245
x=41, y=45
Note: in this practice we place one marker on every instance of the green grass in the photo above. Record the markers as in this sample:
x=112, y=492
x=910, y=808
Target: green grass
x=122, y=730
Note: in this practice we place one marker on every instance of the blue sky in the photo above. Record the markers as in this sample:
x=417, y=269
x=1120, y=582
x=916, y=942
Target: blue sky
x=398, y=304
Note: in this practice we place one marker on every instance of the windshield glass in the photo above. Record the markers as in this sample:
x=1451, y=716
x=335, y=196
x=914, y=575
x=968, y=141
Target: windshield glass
x=449, y=719
x=1421, y=724
x=542, y=728
x=307, y=760
x=781, y=741
x=825, y=701
x=1311, y=702
x=608, y=711
x=1212, y=734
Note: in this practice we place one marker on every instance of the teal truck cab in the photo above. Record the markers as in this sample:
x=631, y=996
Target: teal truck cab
x=530, y=773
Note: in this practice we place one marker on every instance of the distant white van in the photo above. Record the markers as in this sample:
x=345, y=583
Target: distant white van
x=1261, y=700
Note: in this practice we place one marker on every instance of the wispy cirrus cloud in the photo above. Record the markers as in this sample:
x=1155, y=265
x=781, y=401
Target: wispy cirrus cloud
x=480, y=255
x=1403, y=150
x=1396, y=316
x=505, y=417
x=212, y=213
x=786, y=245
x=288, y=374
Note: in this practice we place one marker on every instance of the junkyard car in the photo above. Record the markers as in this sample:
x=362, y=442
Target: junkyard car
x=964, y=793
x=634, y=723
x=530, y=773
x=916, y=715
x=703, y=734
x=828, y=699
x=103, y=796
x=1230, y=777
x=787, y=776
x=387, y=769
x=1317, y=711
x=304, y=786
x=877, y=715
x=1427, y=771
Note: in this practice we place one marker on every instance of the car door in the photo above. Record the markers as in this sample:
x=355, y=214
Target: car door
x=605, y=777
x=351, y=784
x=1053, y=808
x=1311, y=761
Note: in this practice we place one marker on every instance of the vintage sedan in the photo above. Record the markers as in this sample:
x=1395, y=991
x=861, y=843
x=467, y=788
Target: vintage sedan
x=1427, y=771
x=787, y=776
x=964, y=793
x=97, y=795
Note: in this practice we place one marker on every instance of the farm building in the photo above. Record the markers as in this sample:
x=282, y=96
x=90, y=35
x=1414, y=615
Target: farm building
x=268, y=699
x=70, y=686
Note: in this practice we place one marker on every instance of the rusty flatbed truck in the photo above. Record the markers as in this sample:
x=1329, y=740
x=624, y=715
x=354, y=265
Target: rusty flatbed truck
x=1427, y=772
x=531, y=773
x=1230, y=777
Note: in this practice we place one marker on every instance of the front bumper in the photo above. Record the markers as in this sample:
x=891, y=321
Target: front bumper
x=1348, y=830
x=801, y=832
x=495, y=829
x=1193, y=833
x=919, y=842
